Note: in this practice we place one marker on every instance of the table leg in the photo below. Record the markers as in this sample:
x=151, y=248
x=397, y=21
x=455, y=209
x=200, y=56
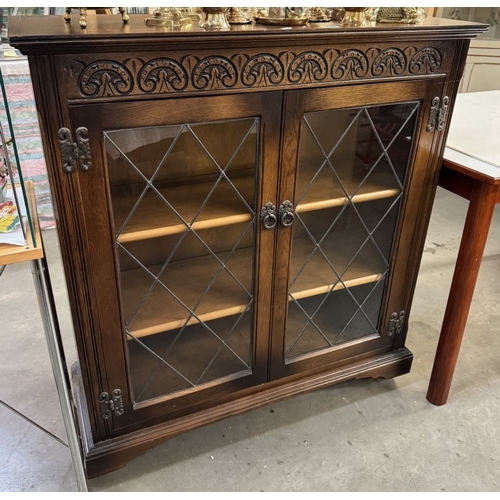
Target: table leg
x=481, y=207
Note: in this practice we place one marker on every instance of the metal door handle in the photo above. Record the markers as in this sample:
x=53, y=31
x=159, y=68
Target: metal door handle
x=286, y=213
x=268, y=216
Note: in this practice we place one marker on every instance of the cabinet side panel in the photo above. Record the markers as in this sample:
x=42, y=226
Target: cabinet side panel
x=52, y=116
x=430, y=173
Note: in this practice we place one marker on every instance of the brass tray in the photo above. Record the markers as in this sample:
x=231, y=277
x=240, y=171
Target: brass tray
x=282, y=21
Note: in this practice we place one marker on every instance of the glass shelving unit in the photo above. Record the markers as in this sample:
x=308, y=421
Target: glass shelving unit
x=19, y=229
x=21, y=241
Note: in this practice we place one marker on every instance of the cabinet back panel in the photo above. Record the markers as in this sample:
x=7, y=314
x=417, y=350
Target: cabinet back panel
x=187, y=152
x=176, y=361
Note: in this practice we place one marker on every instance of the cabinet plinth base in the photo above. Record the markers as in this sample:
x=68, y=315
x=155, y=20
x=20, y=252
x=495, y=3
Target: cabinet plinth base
x=115, y=453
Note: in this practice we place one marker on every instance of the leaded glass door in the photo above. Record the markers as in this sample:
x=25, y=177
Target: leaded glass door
x=343, y=212
x=184, y=180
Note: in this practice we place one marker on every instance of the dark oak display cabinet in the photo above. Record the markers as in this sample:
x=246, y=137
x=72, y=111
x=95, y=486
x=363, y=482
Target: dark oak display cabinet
x=241, y=213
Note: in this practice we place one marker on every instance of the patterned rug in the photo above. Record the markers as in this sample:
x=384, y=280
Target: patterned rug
x=22, y=109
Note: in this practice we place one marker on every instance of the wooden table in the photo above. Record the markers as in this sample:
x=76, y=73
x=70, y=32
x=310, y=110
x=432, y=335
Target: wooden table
x=471, y=169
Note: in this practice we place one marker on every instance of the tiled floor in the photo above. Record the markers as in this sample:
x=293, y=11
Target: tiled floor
x=365, y=435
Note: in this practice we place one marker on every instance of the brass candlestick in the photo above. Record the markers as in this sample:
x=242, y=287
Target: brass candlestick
x=316, y=14
x=215, y=18
x=238, y=16
x=168, y=17
x=355, y=16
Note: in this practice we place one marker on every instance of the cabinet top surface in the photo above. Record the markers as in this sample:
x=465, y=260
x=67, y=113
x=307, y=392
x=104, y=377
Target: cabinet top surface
x=51, y=34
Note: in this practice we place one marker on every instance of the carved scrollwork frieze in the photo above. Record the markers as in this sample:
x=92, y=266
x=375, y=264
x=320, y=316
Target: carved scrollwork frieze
x=164, y=75
x=350, y=65
x=308, y=67
x=214, y=73
x=425, y=61
x=105, y=78
x=389, y=62
x=262, y=70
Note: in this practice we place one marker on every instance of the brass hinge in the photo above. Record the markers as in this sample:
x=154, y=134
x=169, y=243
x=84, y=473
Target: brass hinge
x=443, y=114
x=75, y=153
x=396, y=323
x=437, y=114
x=113, y=405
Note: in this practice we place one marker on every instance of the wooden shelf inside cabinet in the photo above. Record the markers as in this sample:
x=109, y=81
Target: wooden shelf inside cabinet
x=225, y=297
x=323, y=195
x=188, y=280
x=152, y=218
x=311, y=275
x=11, y=254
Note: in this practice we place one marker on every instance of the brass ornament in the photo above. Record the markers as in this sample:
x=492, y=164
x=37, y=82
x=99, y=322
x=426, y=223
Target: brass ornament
x=238, y=16
x=83, y=15
x=316, y=14
x=355, y=17
x=214, y=18
x=408, y=15
x=171, y=17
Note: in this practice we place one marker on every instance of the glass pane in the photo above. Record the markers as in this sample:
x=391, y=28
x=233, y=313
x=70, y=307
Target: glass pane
x=352, y=168
x=183, y=200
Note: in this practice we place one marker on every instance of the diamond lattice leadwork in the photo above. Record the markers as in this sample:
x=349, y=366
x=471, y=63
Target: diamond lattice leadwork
x=184, y=208
x=352, y=170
